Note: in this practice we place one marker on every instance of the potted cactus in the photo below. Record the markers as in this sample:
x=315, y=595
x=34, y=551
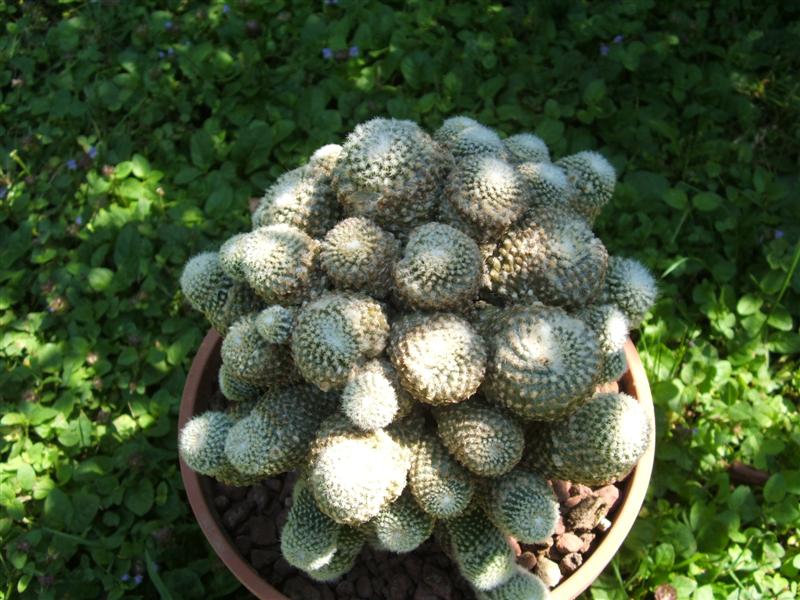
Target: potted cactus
x=417, y=326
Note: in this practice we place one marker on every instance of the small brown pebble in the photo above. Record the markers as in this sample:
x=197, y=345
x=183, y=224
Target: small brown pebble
x=587, y=514
x=609, y=494
x=553, y=553
x=345, y=589
x=560, y=527
x=587, y=539
x=612, y=387
x=364, y=587
x=527, y=560
x=326, y=593
x=244, y=544
x=273, y=485
x=280, y=518
x=221, y=503
x=300, y=588
x=236, y=514
x=570, y=563
x=232, y=492
x=438, y=581
x=568, y=542
x=413, y=566
x=259, y=496
x=400, y=586
x=571, y=502
x=261, y=558
x=514, y=544
x=281, y=569
x=262, y=530
x=561, y=489
x=665, y=592
x=548, y=572
x=578, y=489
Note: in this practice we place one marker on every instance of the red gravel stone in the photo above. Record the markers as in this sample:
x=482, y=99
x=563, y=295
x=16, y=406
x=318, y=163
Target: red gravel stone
x=570, y=563
x=527, y=560
x=568, y=542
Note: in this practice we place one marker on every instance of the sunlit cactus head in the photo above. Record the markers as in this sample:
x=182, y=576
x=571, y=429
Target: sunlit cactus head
x=358, y=255
x=249, y=357
x=543, y=363
x=324, y=158
x=611, y=327
x=212, y=292
x=523, y=585
x=309, y=537
x=522, y=504
x=551, y=256
x=598, y=444
x=630, y=286
x=546, y=185
x=527, y=147
x=402, y=526
x=355, y=474
x=335, y=333
x=487, y=193
x=475, y=140
x=201, y=442
x=275, y=436
x=442, y=487
x=480, y=550
x=275, y=323
x=390, y=171
x=302, y=198
x=451, y=127
x=236, y=389
x=373, y=397
x=439, y=358
x=592, y=178
x=275, y=261
x=440, y=268
x=486, y=439
x=348, y=547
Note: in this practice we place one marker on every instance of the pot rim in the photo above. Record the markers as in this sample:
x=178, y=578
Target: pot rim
x=200, y=378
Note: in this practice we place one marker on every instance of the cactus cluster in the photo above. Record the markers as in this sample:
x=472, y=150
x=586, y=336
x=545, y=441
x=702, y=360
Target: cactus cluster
x=417, y=324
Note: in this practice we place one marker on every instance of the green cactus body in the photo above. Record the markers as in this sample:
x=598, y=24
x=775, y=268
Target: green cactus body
x=592, y=178
x=521, y=504
x=358, y=255
x=403, y=525
x=201, y=442
x=485, y=439
x=546, y=184
x=440, y=268
x=440, y=485
x=372, y=397
x=480, y=550
x=552, y=256
x=392, y=172
x=236, y=389
x=631, y=287
x=439, y=358
x=543, y=363
x=355, y=474
x=523, y=585
x=250, y=358
x=348, y=547
x=611, y=327
x=487, y=193
x=475, y=140
x=309, y=537
x=451, y=127
x=598, y=444
x=526, y=147
x=335, y=333
x=324, y=159
x=275, y=323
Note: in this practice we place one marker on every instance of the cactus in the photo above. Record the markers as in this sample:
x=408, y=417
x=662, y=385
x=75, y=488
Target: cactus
x=417, y=324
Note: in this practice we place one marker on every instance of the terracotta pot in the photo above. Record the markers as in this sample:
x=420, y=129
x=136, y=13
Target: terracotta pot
x=199, y=387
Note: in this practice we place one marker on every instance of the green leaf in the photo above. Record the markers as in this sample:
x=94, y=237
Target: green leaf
x=748, y=304
x=57, y=509
x=775, y=488
x=594, y=92
x=201, y=148
x=780, y=319
x=139, y=497
x=100, y=278
x=706, y=201
x=676, y=198
x=26, y=477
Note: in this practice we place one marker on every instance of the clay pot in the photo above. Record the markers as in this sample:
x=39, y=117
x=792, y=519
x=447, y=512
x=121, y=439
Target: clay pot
x=200, y=384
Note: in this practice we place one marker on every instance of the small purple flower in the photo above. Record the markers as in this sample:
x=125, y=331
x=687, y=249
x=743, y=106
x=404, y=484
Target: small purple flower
x=3, y=191
x=226, y=9
x=168, y=25
x=170, y=51
x=138, y=579
x=92, y=152
x=331, y=2
x=126, y=577
x=327, y=53
x=619, y=38
x=71, y=164
x=778, y=234
x=353, y=52
x=161, y=54
x=604, y=49
x=79, y=220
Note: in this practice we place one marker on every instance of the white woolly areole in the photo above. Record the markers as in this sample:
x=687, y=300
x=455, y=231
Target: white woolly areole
x=550, y=174
x=638, y=278
x=329, y=151
x=378, y=146
x=194, y=435
x=284, y=195
x=615, y=329
x=480, y=135
x=598, y=164
x=496, y=174
x=196, y=267
x=459, y=122
x=539, y=345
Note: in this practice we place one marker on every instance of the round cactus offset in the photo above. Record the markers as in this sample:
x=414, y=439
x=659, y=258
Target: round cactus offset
x=417, y=324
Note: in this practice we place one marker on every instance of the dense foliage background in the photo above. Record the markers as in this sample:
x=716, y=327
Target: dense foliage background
x=133, y=136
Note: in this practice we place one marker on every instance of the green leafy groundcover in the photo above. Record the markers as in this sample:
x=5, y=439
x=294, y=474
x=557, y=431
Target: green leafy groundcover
x=133, y=136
